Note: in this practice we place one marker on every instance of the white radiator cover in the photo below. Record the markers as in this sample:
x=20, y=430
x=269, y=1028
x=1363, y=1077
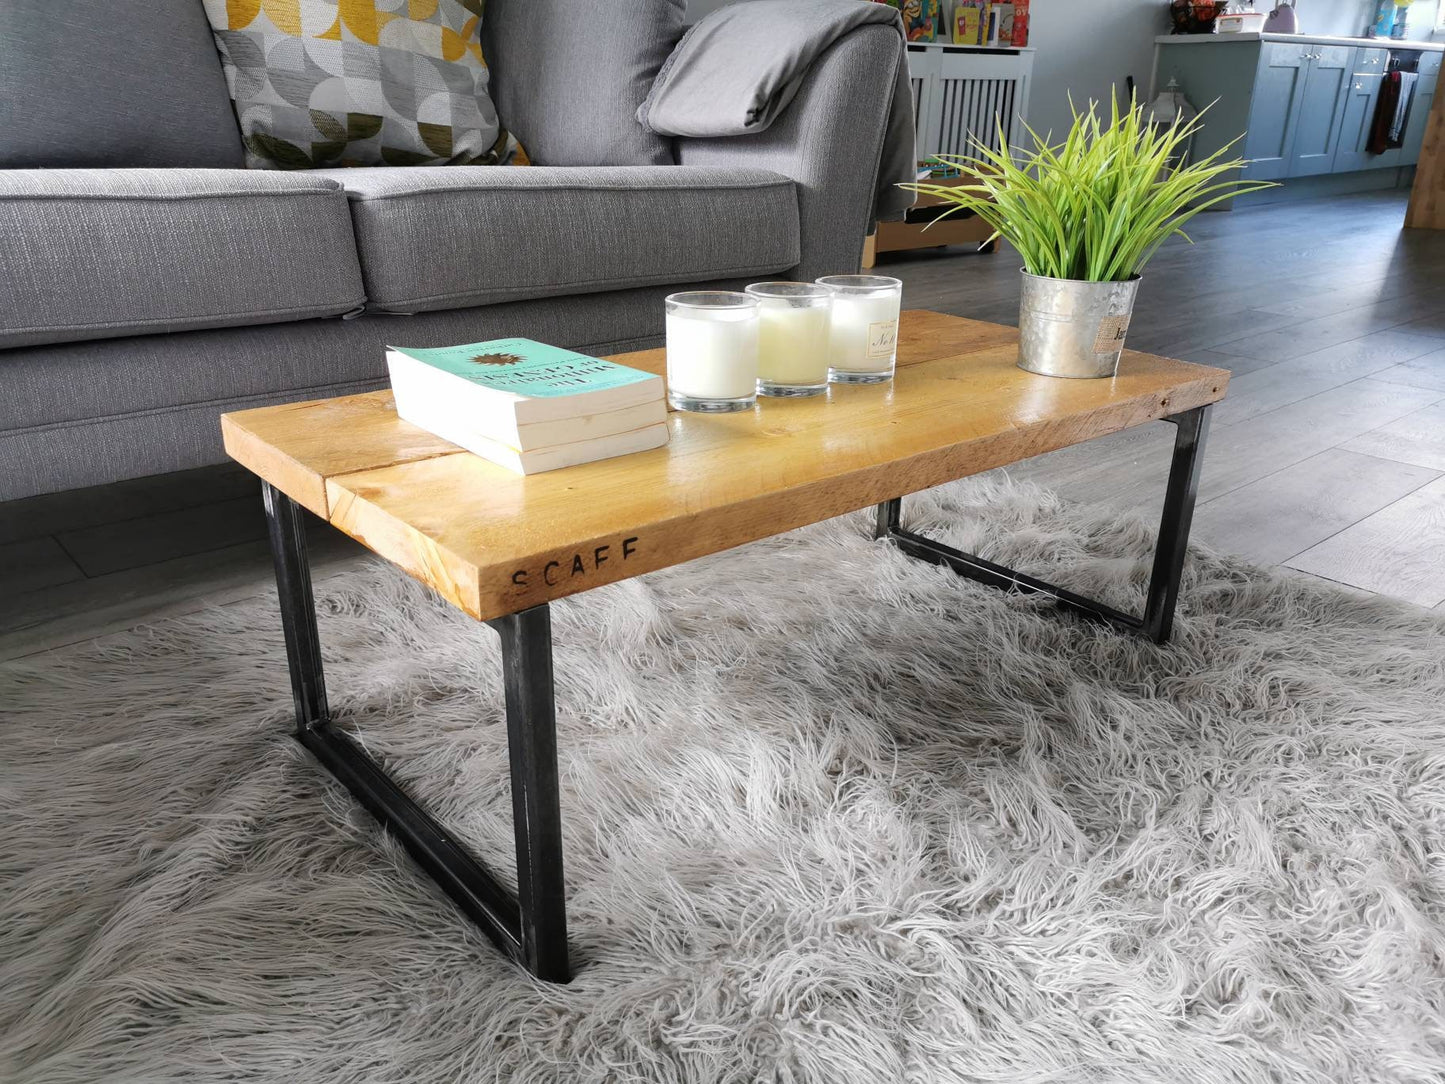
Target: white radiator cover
x=961, y=92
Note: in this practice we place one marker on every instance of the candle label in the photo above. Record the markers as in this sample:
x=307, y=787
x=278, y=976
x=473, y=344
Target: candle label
x=882, y=338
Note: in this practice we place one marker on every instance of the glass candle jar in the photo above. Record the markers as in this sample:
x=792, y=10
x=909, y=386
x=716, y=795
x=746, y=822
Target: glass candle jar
x=863, y=327
x=712, y=351
x=792, y=337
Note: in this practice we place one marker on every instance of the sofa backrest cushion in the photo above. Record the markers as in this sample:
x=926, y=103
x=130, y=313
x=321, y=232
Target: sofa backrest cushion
x=568, y=78
x=112, y=83
x=358, y=82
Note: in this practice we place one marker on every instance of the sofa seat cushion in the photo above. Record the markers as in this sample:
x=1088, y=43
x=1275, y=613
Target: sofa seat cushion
x=451, y=237
x=98, y=253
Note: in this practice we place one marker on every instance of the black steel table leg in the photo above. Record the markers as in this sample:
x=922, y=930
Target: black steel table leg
x=298, y=607
x=1158, y=620
x=532, y=929
x=890, y=518
x=536, y=812
x=1192, y=428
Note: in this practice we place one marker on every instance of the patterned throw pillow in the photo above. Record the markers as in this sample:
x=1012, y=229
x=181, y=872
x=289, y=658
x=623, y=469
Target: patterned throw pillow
x=358, y=82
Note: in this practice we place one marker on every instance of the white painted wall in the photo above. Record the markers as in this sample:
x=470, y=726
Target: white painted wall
x=1349, y=18
x=1084, y=49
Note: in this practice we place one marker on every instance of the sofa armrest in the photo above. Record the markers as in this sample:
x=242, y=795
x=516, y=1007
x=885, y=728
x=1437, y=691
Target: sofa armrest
x=830, y=141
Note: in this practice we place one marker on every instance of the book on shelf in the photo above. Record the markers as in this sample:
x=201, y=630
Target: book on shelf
x=967, y=20
x=528, y=406
x=986, y=22
x=1019, y=36
x=921, y=18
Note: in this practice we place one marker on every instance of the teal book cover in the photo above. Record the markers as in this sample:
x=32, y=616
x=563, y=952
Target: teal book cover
x=526, y=367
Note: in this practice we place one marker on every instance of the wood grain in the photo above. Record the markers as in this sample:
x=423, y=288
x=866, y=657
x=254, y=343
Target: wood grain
x=1273, y=386
x=1417, y=438
x=1262, y=445
x=1427, y=194
x=492, y=542
x=297, y=446
x=1399, y=551
x=1427, y=371
x=906, y=236
x=1281, y=515
x=34, y=563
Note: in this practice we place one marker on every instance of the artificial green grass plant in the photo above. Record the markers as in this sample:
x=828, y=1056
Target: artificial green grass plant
x=1097, y=206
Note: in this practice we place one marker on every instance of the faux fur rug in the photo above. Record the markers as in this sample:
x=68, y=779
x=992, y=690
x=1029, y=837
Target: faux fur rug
x=831, y=815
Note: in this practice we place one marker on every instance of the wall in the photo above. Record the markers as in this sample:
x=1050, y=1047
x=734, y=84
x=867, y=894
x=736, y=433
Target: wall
x=1348, y=18
x=1084, y=49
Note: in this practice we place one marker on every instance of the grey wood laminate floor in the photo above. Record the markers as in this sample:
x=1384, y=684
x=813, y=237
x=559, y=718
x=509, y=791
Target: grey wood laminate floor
x=1327, y=458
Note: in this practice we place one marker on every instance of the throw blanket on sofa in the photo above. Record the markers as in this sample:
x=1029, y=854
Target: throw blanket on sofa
x=736, y=71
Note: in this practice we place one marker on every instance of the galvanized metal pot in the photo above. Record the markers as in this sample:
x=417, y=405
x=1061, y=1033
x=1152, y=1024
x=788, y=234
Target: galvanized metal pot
x=1072, y=328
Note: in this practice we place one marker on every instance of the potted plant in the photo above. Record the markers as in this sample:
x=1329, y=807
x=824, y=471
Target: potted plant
x=1086, y=215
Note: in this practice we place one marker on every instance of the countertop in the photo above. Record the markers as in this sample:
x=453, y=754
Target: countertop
x=1302, y=39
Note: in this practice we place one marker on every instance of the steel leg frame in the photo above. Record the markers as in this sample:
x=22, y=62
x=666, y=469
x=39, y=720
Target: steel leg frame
x=1158, y=620
x=530, y=927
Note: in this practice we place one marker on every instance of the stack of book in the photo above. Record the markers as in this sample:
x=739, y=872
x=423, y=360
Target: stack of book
x=528, y=406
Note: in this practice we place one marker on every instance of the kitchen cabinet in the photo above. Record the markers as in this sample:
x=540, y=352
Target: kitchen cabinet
x=1363, y=96
x=1425, y=92
x=1278, y=91
x=1358, y=117
x=1318, y=116
x=1307, y=105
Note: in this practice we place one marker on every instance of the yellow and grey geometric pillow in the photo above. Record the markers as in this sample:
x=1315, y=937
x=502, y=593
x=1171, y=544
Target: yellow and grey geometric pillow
x=358, y=82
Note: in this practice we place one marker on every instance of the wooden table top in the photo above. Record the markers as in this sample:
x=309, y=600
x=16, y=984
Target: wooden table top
x=493, y=542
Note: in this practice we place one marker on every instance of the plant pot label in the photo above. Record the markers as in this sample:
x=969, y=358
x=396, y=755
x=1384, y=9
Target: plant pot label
x=1112, y=330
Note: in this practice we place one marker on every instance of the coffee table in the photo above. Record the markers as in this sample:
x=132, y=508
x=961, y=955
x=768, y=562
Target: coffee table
x=501, y=547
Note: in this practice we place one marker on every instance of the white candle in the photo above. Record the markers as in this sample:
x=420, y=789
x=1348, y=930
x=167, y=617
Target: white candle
x=863, y=333
x=792, y=337
x=712, y=350
x=863, y=329
x=793, y=345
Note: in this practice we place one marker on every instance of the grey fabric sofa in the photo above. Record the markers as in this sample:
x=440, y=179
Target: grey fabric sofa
x=148, y=282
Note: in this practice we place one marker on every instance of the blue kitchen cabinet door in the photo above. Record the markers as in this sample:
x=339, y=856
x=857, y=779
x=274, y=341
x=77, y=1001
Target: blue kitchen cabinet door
x=1425, y=92
x=1361, y=100
x=1274, y=110
x=1327, y=81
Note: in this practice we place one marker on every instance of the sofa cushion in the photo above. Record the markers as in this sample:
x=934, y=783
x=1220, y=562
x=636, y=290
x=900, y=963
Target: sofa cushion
x=358, y=82
x=96, y=253
x=449, y=237
x=95, y=83
x=568, y=79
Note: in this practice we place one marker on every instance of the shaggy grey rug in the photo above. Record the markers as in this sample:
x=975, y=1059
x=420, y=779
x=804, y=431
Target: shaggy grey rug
x=831, y=815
